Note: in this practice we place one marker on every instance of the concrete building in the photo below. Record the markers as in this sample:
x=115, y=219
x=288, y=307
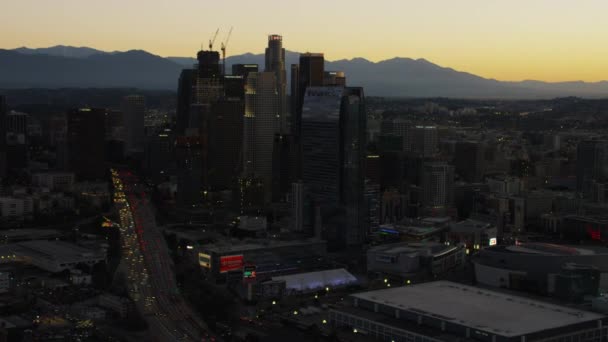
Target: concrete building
x=437, y=185
x=555, y=270
x=53, y=256
x=445, y=311
x=224, y=260
x=16, y=207
x=86, y=143
x=410, y=259
x=134, y=110
x=54, y=181
x=473, y=234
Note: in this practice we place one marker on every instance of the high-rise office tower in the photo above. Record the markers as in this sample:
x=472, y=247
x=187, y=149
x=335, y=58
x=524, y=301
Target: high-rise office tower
x=275, y=62
x=321, y=145
x=298, y=206
x=294, y=95
x=16, y=123
x=85, y=142
x=283, y=165
x=261, y=122
x=353, y=145
x=591, y=164
x=437, y=185
x=184, y=99
x=334, y=78
x=469, y=160
x=244, y=69
x=160, y=156
x=234, y=87
x=16, y=140
x=311, y=74
x=225, y=141
x=3, y=112
x=199, y=90
x=188, y=151
x=134, y=109
x=422, y=140
x=333, y=156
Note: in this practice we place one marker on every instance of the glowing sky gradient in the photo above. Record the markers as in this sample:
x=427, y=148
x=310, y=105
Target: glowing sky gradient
x=551, y=40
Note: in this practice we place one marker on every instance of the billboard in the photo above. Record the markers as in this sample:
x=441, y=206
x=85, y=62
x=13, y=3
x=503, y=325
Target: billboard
x=204, y=260
x=231, y=263
x=249, y=272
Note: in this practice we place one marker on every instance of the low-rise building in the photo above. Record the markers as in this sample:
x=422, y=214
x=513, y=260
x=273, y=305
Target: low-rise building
x=52, y=256
x=408, y=259
x=16, y=207
x=120, y=305
x=54, y=181
x=473, y=234
x=568, y=272
x=446, y=311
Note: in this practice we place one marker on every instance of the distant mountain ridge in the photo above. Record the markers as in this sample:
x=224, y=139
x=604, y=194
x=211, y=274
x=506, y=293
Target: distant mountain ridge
x=66, y=66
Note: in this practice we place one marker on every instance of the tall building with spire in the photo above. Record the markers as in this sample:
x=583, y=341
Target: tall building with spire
x=275, y=62
x=261, y=122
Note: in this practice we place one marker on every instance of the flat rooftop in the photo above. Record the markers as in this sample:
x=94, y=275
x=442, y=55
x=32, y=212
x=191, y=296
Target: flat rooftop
x=252, y=245
x=411, y=247
x=553, y=250
x=57, y=250
x=480, y=309
x=469, y=226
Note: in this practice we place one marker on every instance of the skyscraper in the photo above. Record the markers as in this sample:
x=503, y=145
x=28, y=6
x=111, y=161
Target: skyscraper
x=294, y=96
x=16, y=140
x=591, y=164
x=188, y=151
x=225, y=141
x=334, y=78
x=311, y=74
x=198, y=92
x=275, y=62
x=244, y=69
x=422, y=140
x=437, y=185
x=333, y=157
x=184, y=99
x=469, y=161
x=134, y=109
x=159, y=156
x=261, y=122
x=86, y=137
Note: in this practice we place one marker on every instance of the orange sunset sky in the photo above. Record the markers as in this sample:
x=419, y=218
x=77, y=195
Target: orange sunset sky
x=550, y=40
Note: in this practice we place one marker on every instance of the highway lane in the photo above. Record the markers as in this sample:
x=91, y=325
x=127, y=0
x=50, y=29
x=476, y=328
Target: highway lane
x=151, y=278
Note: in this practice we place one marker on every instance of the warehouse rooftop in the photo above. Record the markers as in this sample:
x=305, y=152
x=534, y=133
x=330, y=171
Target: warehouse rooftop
x=480, y=309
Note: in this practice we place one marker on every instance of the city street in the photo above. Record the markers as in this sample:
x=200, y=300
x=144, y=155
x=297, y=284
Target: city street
x=150, y=274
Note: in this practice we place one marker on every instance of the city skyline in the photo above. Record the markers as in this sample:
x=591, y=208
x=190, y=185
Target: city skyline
x=544, y=40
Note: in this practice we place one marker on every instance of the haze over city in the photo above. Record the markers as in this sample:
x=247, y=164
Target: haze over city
x=548, y=40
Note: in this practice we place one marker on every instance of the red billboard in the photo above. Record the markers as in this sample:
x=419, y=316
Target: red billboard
x=231, y=263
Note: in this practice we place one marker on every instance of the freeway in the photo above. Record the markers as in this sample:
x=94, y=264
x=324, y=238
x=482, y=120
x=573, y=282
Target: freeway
x=151, y=280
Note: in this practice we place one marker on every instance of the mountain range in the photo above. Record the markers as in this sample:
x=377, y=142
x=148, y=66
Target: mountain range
x=66, y=66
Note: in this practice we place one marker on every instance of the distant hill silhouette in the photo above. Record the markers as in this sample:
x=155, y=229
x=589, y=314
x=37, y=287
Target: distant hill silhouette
x=64, y=66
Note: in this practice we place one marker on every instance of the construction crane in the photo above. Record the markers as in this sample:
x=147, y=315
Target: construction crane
x=224, y=46
x=212, y=41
